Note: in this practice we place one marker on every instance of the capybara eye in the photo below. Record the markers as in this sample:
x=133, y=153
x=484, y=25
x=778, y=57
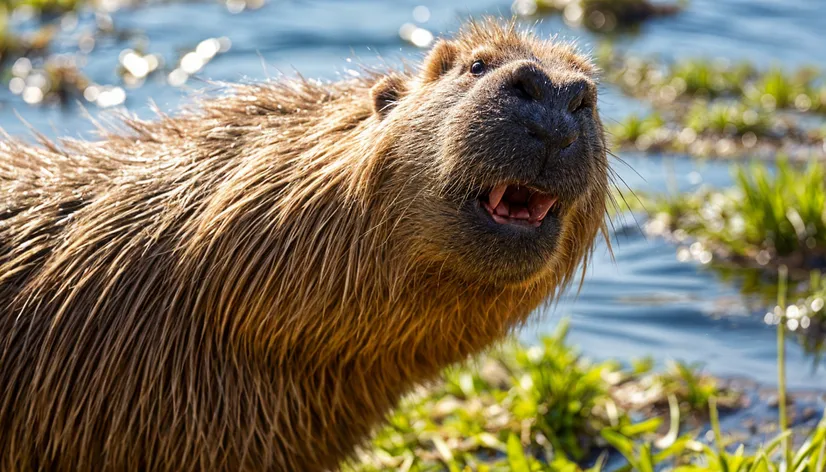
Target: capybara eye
x=477, y=68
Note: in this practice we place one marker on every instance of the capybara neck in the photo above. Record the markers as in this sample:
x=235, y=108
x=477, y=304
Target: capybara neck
x=253, y=284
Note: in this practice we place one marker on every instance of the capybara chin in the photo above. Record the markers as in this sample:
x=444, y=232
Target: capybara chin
x=254, y=283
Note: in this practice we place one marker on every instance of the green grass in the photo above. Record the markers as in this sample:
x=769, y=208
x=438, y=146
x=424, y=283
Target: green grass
x=767, y=216
x=634, y=127
x=602, y=16
x=48, y=7
x=778, y=89
x=700, y=77
x=730, y=119
x=688, y=79
x=689, y=455
x=696, y=130
x=716, y=108
x=684, y=79
x=784, y=212
x=5, y=35
x=685, y=454
x=544, y=406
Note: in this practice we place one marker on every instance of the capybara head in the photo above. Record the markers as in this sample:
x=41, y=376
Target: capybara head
x=510, y=150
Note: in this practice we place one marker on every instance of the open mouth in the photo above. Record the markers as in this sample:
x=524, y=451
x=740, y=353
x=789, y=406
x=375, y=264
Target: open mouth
x=517, y=205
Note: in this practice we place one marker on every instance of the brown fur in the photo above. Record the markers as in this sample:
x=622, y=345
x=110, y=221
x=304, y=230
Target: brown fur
x=253, y=285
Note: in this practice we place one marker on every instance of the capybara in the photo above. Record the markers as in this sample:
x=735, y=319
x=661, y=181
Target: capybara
x=254, y=282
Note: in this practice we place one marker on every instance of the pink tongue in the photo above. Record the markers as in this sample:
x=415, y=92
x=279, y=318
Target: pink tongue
x=539, y=205
x=520, y=213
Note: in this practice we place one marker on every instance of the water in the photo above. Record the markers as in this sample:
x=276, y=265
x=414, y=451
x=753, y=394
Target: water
x=644, y=302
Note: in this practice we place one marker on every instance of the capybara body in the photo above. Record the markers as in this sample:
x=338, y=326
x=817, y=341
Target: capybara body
x=253, y=284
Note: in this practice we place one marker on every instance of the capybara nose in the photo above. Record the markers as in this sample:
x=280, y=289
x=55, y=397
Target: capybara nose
x=548, y=115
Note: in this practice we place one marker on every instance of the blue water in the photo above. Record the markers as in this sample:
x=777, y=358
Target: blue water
x=642, y=302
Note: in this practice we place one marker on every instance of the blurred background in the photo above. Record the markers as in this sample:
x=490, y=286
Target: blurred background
x=715, y=110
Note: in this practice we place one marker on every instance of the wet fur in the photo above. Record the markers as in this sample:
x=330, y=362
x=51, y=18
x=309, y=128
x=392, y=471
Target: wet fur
x=251, y=285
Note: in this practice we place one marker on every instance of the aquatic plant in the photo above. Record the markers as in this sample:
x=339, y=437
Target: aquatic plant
x=729, y=119
x=598, y=15
x=689, y=455
x=716, y=108
x=48, y=7
x=634, y=127
x=707, y=79
x=718, y=130
x=701, y=77
x=784, y=212
x=686, y=454
x=5, y=35
x=39, y=77
x=544, y=406
x=776, y=89
x=767, y=217
x=684, y=79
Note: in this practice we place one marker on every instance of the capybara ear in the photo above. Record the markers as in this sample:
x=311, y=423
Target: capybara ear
x=440, y=60
x=386, y=93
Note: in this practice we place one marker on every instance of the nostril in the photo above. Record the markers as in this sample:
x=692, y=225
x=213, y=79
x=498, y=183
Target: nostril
x=527, y=84
x=522, y=91
x=535, y=130
x=570, y=139
x=580, y=97
x=576, y=103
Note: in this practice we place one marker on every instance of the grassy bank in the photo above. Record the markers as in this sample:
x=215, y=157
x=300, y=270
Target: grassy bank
x=717, y=108
x=545, y=408
x=601, y=16
x=801, y=90
x=768, y=218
